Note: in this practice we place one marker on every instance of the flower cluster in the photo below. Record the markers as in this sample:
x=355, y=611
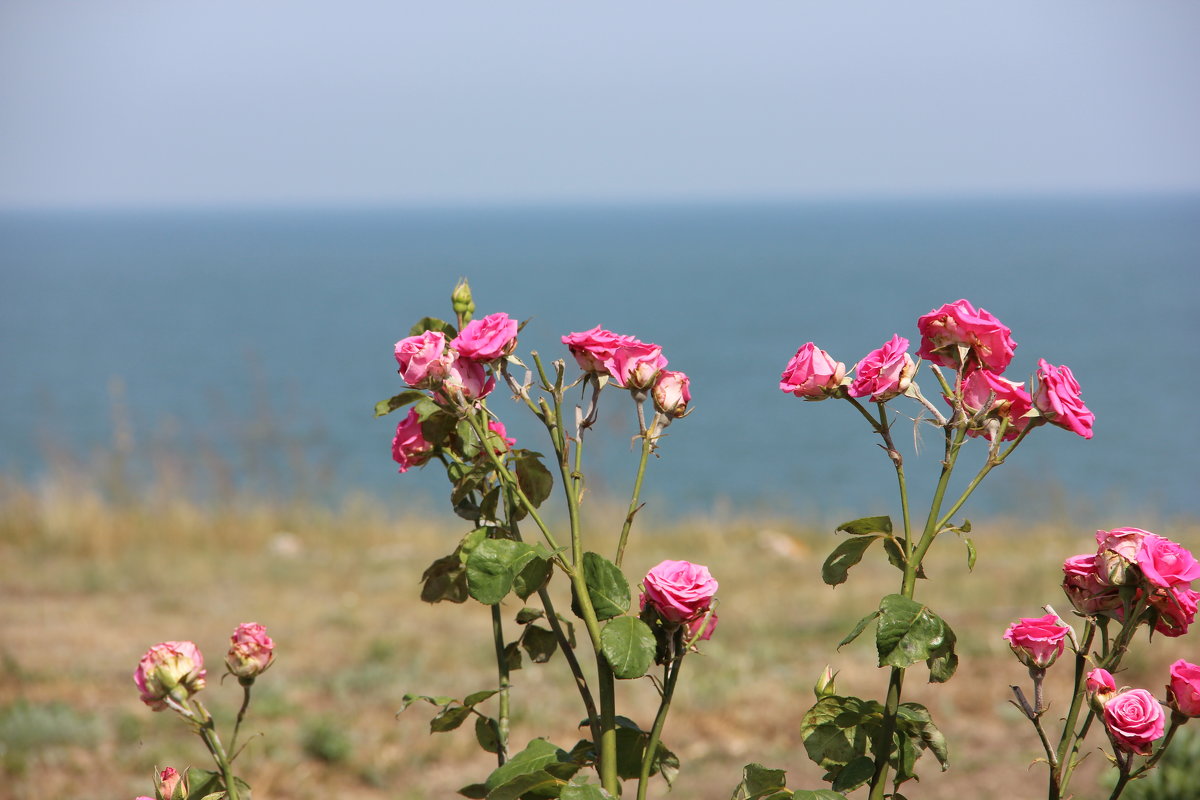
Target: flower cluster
x=1133, y=718
x=1156, y=569
x=970, y=341
x=631, y=364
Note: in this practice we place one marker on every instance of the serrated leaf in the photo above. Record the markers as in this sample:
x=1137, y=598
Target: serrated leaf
x=859, y=627
x=539, y=643
x=915, y=719
x=629, y=646
x=843, y=557
x=475, y=698
x=838, y=729
x=606, y=585
x=536, y=756
x=866, y=525
x=909, y=632
x=410, y=698
x=531, y=571
x=202, y=782
x=448, y=719
x=533, y=477
x=384, y=407
x=490, y=569
x=536, y=784
x=758, y=781
x=855, y=774
x=487, y=733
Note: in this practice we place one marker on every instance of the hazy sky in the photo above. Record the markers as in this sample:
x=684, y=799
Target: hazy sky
x=299, y=101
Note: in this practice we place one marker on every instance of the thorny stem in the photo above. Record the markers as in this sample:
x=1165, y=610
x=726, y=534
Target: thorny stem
x=503, y=682
x=1060, y=775
x=240, y=716
x=670, y=676
x=647, y=447
x=209, y=734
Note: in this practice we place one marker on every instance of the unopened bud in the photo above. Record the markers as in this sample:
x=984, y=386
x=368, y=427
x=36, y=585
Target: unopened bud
x=170, y=785
x=251, y=651
x=1100, y=687
x=464, y=305
x=825, y=686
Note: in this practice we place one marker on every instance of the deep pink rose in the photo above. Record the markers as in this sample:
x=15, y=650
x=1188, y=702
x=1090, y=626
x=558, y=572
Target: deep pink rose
x=1037, y=641
x=679, y=590
x=168, y=780
x=423, y=359
x=169, y=668
x=487, y=339
x=636, y=365
x=409, y=448
x=672, y=393
x=1085, y=588
x=497, y=427
x=1101, y=681
x=251, y=651
x=1176, y=608
x=1166, y=563
x=467, y=379
x=812, y=374
x=943, y=330
x=592, y=349
x=1057, y=397
x=884, y=373
x=709, y=624
x=1135, y=720
x=1183, y=693
x=1010, y=401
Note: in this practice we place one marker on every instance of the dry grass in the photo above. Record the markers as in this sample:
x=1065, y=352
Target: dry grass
x=88, y=584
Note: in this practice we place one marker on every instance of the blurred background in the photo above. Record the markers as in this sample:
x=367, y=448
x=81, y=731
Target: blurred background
x=217, y=217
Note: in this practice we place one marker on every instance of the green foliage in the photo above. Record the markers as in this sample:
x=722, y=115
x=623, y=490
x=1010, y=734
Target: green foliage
x=324, y=740
x=540, y=770
x=760, y=783
x=838, y=730
x=867, y=525
x=207, y=785
x=493, y=566
x=1174, y=777
x=532, y=476
x=433, y=324
x=629, y=646
x=407, y=397
x=909, y=632
x=606, y=585
x=837, y=566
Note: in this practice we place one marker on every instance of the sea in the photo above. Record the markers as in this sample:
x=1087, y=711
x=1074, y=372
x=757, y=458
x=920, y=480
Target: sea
x=248, y=347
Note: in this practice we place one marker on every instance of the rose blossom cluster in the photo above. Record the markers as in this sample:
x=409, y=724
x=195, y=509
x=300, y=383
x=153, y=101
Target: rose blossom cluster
x=631, y=364
x=970, y=341
x=456, y=371
x=1161, y=570
x=1133, y=718
x=172, y=672
x=681, y=593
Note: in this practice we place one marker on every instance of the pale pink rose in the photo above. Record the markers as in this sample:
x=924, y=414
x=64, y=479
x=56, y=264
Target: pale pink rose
x=635, y=366
x=1176, y=608
x=1085, y=588
x=168, y=780
x=497, y=427
x=679, y=590
x=943, y=330
x=423, y=359
x=1135, y=720
x=251, y=651
x=169, y=668
x=1166, y=563
x=812, y=374
x=1101, y=682
x=709, y=624
x=592, y=349
x=672, y=393
x=884, y=373
x=1009, y=401
x=1057, y=397
x=409, y=448
x=487, y=339
x=1037, y=641
x=1183, y=693
x=1116, y=552
x=467, y=378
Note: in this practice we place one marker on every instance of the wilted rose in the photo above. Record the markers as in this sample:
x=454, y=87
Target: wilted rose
x=672, y=393
x=679, y=590
x=1057, y=397
x=487, y=339
x=1085, y=588
x=1135, y=720
x=251, y=651
x=1009, y=402
x=423, y=359
x=812, y=374
x=1037, y=641
x=944, y=330
x=409, y=447
x=1183, y=692
x=169, y=668
x=884, y=373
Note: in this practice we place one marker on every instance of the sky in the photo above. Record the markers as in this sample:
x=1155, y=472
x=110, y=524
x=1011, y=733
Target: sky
x=301, y=102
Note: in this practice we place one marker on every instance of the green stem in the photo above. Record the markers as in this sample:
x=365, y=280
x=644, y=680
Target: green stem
x=1060, y=776
x=1176, y=721
x=883, y=748
x=647, y=446
x=502, y=669
x=209, y=734
x=237, y=726
x=670, y=676
x=987, y=467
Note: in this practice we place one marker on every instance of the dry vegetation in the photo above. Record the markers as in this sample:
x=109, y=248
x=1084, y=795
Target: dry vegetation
x=88, y=583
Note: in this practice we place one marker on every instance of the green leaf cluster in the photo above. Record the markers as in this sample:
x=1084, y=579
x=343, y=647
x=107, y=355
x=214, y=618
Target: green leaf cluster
x=761, y=783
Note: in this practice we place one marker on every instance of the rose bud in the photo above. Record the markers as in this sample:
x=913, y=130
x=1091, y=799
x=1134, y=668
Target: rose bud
x=251, y=651
x=170, y=785
x=1183, y=693
x=812, y=374
x=461, y=300
x=1037, y=641
x=1100, y=686
x=672, y=393
x=169, y=669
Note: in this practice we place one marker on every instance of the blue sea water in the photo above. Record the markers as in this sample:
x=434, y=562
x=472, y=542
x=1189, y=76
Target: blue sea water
x=261, y=339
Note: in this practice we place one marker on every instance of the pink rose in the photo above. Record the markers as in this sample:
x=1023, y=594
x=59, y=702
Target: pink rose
x=1057, y=397
x=1183, y=693
x=497, y=427
x=592, y=349
x=1037, y=641
x=1134, y=720
x=679, y=590
x=944, y=330
x=1101, y=681
x=251, y=651
x=1117, y=551
x=467, y=379
x=1085, y=588
x=487, y=339
x=409, y=448
x=884, y=373
x=1176, y=609
x=812, y=374
x=705, y=625
x=169, y=668
x=168, y=782
x=636, y=365
x=672, y=393
x=423, y=359
x=1010, y=401
x=1166, y=563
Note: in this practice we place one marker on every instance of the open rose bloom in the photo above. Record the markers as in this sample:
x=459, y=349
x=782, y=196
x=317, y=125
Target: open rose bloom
x=680, y=591
x=884, y=373
x=1135, y=720
x=174, y=669
x=1057, y=397
x=593, y=349
x=1183, y=692
x=423, y=359
x=958, y=328
x=409, y=447
x=487, y=339
x=812, y=374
